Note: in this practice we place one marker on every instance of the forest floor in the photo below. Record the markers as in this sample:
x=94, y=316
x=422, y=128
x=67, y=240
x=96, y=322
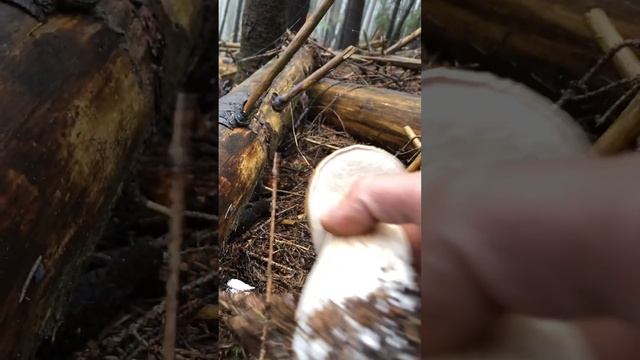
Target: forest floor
x=244, y=257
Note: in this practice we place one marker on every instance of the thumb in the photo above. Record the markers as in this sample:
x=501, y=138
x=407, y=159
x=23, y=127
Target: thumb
x=391, y=199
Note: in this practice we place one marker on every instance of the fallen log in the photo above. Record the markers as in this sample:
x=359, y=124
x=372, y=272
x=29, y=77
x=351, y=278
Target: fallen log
x=371, y=114
x=399, y=61
x=244, y=151
x=549, y=38
x=77, y=94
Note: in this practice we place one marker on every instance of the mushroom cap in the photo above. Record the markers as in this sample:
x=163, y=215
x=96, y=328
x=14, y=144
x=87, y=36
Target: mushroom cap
x=335, y=174
x=475, y=119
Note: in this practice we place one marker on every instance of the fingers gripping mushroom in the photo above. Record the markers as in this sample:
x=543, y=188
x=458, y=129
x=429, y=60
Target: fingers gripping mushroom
x=361, y=299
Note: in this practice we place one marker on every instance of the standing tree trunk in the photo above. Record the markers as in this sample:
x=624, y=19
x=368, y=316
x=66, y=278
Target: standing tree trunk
x=236, y=26
x=392, y=20
x=297, y=14
x=224, y=18
x=403, y=18
x=262, y=25
x=352, y=23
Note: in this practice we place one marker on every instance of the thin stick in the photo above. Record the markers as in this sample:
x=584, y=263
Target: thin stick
x=415, y=164
x=278, y=102
x=177, y=151
x=608, y=37
x=272, y=231
x=164, y=210
x=415, y=140
x=32, y=272
x=403, y=42
x=626, y=128
x=399, y=61
x=332, y=147
x=287, y=54
x=295, y=137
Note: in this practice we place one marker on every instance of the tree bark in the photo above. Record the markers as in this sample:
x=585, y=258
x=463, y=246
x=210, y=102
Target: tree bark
x=297, y=11
x=371, y=114
x=332, y=18
x=262, y=24
x=78, y=93
x=352, y=23
x=544, y=46
x=244, y=152
x=392, y=19
x=236, y=26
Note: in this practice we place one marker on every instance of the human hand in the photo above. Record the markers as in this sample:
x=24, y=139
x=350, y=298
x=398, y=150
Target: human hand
x=547, y=239
x=393, y=199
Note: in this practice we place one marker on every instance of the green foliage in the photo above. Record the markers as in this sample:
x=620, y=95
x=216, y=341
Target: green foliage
x=412, y=23
x=382, y=16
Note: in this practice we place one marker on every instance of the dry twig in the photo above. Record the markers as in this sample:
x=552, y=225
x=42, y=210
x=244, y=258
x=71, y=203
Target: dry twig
x=272, y=231
x=287, y=54
x=177, y=151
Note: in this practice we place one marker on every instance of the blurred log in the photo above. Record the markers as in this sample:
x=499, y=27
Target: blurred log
x=546, y=39
x=77, y=93
x=244, y=151
x=246, y=316
x=371, y=114
x=399, y=61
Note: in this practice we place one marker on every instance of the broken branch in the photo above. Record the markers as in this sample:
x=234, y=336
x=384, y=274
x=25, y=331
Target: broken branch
x=279, y=101
x=287, y=54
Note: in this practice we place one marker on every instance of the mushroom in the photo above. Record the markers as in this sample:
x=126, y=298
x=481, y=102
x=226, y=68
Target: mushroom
x=361, y=298
x=473, y=120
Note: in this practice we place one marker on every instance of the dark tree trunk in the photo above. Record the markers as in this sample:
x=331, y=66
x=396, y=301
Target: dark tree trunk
x=403, y=18
x=352, y=23
x=236, y=26
x=78, y=95
x=224, y=18
x=296, y=14
x=392, y=19
x=262, y=25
